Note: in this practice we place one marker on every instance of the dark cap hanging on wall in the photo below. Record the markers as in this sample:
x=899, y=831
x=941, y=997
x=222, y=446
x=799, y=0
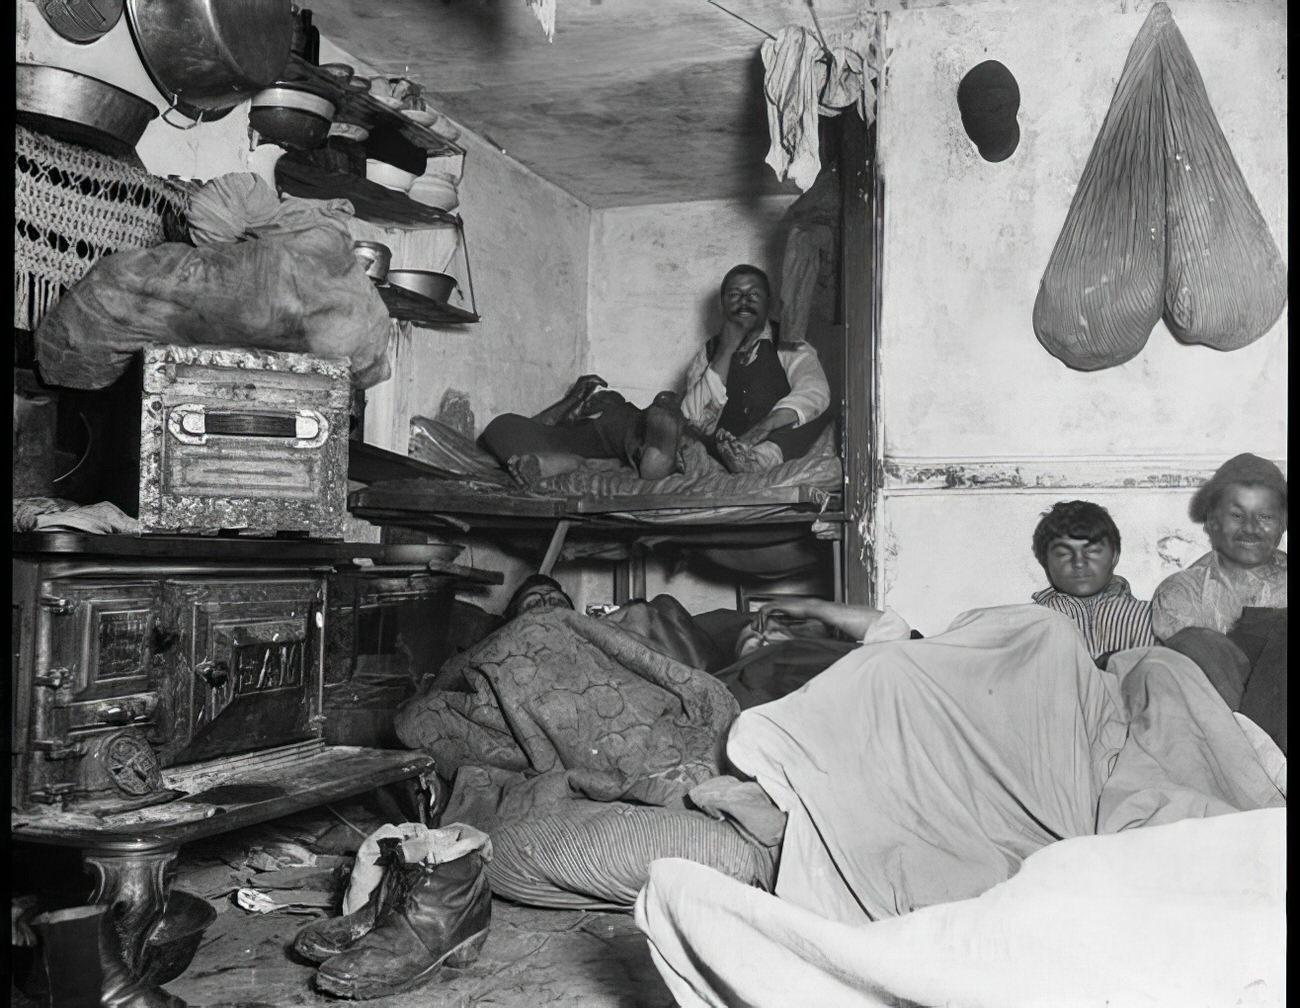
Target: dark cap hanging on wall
x=989, y=98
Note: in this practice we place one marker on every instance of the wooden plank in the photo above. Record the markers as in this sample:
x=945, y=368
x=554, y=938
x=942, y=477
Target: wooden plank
x=190, y=548
x=407, y=306
x=371, y=201
x=318, y=777
x=860, y=286
x=792, y=496
x=427, y=496
x=368, y=463
x=362, y=107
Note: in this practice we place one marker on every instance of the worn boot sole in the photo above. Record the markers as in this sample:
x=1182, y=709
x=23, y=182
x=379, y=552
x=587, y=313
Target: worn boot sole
x=462, y=955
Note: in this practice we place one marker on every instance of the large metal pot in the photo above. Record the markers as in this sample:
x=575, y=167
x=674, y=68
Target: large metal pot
x=84, y=110
x=207, y=56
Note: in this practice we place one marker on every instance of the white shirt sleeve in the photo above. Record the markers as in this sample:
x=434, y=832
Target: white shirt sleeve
x=705, y=395
x=809, y=392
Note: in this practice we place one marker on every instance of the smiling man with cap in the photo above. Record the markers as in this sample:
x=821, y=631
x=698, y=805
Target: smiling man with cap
x=1243, y=511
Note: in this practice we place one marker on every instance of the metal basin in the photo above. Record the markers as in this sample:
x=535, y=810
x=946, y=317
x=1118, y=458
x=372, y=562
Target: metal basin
x=207, y=56
x=374, y=258
x=292, y=118
x=427, y=283
x=79, y=109
x=170, y=948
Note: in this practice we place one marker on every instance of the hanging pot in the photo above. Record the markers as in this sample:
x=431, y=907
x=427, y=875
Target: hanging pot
x=207, y=56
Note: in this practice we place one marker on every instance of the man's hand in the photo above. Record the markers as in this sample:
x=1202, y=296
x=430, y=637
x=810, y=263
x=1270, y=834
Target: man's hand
x=586, y=385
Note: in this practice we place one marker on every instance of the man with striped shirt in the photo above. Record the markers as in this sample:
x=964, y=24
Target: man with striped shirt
x=1077, y=543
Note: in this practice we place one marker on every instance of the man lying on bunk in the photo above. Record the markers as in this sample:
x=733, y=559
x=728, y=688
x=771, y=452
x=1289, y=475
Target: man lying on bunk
x=762, y=400
x=589, y=425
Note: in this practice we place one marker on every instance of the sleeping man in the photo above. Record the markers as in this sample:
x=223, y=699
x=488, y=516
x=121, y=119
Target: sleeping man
x=1077, y=544
x=762, y=400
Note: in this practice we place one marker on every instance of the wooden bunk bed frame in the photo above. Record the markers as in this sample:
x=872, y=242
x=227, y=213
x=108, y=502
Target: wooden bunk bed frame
x=624, y=528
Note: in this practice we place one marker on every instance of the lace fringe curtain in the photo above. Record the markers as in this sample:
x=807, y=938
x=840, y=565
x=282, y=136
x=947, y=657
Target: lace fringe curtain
x=72, y=206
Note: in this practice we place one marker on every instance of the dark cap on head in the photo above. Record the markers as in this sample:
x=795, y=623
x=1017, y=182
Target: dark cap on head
x=1247, y=469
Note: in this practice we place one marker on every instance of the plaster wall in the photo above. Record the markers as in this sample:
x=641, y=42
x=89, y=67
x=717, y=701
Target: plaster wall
x=980, y=428
x=653, y=300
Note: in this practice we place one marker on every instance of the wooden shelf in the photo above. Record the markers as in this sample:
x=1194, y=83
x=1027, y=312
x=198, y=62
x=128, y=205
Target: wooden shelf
x=406, y=306
x=363, y=108
x=371, y=201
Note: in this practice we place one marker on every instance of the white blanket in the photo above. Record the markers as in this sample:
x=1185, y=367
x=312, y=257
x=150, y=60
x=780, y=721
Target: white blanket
x=922, y=774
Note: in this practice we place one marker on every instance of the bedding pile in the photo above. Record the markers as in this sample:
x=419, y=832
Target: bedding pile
x=574, y=743
x=439, y=445
x=918, y=776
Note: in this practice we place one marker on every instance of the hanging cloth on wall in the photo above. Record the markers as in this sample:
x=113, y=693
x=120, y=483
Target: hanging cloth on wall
x=544, y=11
x=72, y=206
x=802, y=80
x=1162, y=225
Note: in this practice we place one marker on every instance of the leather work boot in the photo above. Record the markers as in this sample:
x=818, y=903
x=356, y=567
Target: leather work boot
x=324, y=939
x=84, y=966
x=439, y=916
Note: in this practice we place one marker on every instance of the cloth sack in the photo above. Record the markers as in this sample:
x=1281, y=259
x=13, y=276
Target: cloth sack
x=1162, y=225
x=268, y=273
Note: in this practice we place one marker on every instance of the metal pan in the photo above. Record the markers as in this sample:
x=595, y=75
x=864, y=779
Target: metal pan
x=207, y=56
x=79, y=109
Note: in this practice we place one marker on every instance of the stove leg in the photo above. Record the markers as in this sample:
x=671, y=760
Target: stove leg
x=136, y=886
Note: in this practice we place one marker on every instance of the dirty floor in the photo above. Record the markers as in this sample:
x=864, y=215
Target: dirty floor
x=533, y=958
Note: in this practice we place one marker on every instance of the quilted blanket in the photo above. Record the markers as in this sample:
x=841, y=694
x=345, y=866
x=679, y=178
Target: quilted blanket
x=557, y=705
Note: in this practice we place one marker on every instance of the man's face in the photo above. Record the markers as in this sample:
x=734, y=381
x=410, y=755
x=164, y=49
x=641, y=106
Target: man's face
x=1080, y=568
x=1246, y=524
x=540, y=597
x=745, y=300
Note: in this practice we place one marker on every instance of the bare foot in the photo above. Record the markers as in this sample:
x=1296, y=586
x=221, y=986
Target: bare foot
x=524, y=469
x=735, y=455
x=661, y=451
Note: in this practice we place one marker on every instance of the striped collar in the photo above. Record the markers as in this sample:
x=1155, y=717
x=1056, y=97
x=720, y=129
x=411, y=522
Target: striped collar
x=1116, y=588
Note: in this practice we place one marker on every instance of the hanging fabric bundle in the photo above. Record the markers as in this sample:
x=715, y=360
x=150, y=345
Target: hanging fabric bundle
x=1162, y=224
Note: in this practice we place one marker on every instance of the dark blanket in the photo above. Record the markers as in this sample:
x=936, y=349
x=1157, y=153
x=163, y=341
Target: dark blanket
x=1246, y=666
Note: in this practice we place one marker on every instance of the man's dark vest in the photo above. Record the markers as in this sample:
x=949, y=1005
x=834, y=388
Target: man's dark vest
x=753, y=389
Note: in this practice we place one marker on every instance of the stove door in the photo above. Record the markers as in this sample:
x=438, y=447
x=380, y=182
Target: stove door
x=248, y=666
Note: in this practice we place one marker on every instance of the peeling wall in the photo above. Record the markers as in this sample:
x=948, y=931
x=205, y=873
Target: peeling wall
x=969, y=396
